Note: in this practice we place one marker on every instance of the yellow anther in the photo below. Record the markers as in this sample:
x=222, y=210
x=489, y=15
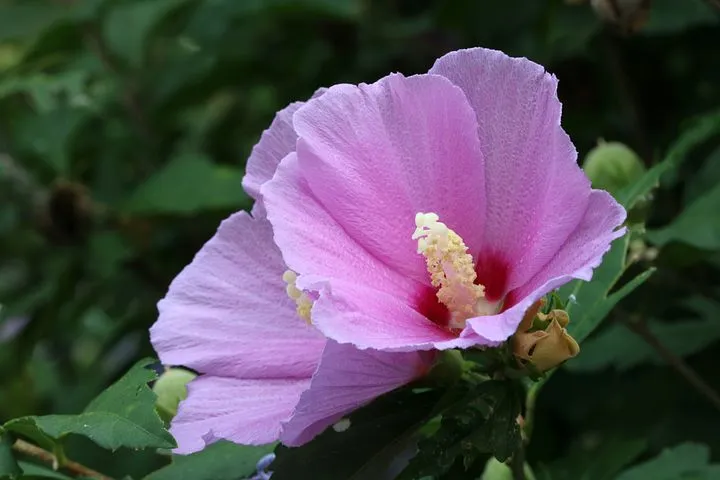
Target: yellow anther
x=451, y=268
x=302, y=300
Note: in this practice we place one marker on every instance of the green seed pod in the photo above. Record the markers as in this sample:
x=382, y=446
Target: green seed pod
x=612, y=166
x=171, y=389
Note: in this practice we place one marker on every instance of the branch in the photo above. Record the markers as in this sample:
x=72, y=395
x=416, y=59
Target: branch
x=641, y=329
x=517, y=463
x=44, y=456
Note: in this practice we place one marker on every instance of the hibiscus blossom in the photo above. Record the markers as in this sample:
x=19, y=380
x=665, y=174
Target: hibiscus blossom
x=407, y=216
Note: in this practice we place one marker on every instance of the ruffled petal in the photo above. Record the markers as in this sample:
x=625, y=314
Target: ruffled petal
x=275, y=143
x=227, y=313
x=583, y=250
x=248, y=412
x=346, y=379
x=375, y=155
x=314, y=243
x=536, y=194
x=576, y=259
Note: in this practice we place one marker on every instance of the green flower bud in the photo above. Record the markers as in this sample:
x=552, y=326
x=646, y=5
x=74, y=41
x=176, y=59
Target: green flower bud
x=612, y=166
x=171, y=389
x=448, y=368
x=495, y=470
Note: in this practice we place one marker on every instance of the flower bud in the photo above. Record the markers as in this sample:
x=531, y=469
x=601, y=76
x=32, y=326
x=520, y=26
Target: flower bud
x=171, y=389
x=612, y=166
x=448, y=367
x=496, y=470
x=545, y=342
x=629, y=15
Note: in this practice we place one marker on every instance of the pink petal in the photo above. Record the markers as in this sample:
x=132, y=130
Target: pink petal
x=346, y=379
x=227, y=313
x=536, y=193
x=350, y=312
x=579, y=255
x=375, y=155
x=583, y=250
x=275, y=143
x=313, y=242
x=248, y=412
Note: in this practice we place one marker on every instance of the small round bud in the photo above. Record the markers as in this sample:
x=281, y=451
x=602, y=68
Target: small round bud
x=612, y=166
x=449, y=366
x=171, y=389
x=496, y=470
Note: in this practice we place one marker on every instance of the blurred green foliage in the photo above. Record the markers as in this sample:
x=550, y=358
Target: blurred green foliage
x=125, y=125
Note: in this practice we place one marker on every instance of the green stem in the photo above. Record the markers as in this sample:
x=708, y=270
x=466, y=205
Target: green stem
x=530, y=401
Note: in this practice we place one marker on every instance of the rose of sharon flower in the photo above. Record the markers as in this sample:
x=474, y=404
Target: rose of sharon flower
x=392, y=220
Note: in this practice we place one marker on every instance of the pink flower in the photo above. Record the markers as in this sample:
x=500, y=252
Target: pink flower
x=416, y=213
x=478, y=143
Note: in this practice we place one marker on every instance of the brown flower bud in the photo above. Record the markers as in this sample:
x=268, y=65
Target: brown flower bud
x=629, y=15
x=547, y=347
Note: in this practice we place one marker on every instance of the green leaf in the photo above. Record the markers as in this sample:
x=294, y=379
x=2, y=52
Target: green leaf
x=59, y=127
x=122, y=416
x=347, y=9
x=592, y=319
x=28, y=19
x=602, y=461
x=47, y=90
x=570, y=31
x=377, y=434
x=592, y=300
x=687, y=460
x=31, y=470
x=698, y=225
x=143, y=17
x=106, y=252
x=672, y=16
x=220, y=461
x=28, y=430
x=343, y=9
x=188, y=184
x=484, y=421
x=620, y=348
x=704, y=180
x=702, y=129
x=8, y=466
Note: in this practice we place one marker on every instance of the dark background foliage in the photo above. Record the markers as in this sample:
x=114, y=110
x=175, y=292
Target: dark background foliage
x=125, y=125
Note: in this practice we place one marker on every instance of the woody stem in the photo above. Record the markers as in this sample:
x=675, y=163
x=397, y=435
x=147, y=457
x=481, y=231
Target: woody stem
x=45, y=456
x=640, y=328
